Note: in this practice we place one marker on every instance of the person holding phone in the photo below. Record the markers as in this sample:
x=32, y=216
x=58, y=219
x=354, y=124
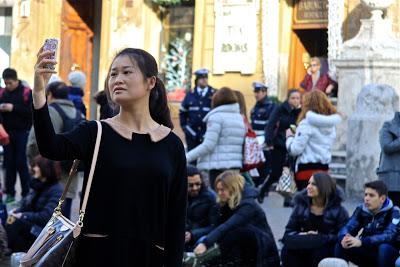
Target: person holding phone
x=16, y=117
x=136, y=210
x=283, y=117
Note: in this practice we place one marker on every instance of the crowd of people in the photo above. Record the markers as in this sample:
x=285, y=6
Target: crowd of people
x=297, y=134
x=199, y=203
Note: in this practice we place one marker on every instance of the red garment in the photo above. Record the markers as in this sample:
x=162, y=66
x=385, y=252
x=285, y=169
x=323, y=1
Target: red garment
x=305, y=175
x=321, y=84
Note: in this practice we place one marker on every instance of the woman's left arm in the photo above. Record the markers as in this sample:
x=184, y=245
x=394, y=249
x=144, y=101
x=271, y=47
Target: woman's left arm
x=176, y=217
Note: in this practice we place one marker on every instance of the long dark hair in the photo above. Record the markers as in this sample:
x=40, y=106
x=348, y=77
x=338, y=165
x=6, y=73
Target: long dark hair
x=158, y=103
x=326, y=186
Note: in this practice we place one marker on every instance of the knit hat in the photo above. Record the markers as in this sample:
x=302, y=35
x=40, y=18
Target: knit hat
x=77, y=78
x=54, y=78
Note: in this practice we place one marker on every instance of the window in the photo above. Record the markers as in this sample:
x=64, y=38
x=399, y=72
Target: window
x=176, y=50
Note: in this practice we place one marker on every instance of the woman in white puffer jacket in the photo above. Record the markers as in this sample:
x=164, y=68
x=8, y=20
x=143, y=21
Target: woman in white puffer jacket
x=314, y=137
x=222, y=148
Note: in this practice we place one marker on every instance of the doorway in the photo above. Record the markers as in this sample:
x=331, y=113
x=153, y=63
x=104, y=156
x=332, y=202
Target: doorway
x=80, y=42
x=306, y=43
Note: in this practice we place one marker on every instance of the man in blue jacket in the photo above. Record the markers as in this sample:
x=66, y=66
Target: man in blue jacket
x=195, y=105
x=202, y=214
x=377, y=245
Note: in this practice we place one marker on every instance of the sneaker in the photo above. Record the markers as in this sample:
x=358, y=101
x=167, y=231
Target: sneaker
x=10, y=199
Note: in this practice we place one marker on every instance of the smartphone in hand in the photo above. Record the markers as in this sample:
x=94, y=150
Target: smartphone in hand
x=293, y=128
x=51, y=44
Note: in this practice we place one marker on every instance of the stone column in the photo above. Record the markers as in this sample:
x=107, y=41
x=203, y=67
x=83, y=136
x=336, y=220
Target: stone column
x=376, y=103
x=370, y=57
x=270, y=43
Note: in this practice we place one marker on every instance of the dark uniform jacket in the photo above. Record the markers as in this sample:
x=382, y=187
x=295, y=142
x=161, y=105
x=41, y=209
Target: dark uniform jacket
x=260, y=114
x=377, y=229
x=193, y=109
x=202, y=214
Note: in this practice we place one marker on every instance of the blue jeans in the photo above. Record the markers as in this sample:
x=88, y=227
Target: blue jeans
x=383, y=255
x=15, y=160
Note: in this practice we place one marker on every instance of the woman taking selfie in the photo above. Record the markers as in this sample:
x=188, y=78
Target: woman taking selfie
x=318, y=215
x=135, y=214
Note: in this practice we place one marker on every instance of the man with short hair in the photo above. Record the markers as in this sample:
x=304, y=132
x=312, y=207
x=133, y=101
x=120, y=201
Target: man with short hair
x=377, y=245
x=202, y=213
x=61, y=109
x=16, y=116
x=194, y=107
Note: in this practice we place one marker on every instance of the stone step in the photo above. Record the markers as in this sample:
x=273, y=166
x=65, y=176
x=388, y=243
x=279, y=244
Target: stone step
x=338, y=176
x=337, y=165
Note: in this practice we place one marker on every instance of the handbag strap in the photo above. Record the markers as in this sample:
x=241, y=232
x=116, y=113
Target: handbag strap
x=72, y=173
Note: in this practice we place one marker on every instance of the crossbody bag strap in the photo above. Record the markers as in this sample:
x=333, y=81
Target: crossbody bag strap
x=91, y=173
x=73, y=171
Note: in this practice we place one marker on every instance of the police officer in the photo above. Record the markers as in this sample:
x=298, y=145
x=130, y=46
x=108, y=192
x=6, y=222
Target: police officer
x=259, y=119
x=262, y=110
x=195, y=105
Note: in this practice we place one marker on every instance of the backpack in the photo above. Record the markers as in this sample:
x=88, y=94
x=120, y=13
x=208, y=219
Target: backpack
x=68, y=125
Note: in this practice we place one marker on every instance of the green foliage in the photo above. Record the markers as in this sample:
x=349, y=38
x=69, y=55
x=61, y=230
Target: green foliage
x=274, y=99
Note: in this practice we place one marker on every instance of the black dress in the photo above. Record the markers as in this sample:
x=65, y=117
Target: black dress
x=138, y=195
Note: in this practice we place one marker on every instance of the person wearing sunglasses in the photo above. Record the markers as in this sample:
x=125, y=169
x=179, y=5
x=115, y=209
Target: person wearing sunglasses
x=202, y=215
x=315, y=80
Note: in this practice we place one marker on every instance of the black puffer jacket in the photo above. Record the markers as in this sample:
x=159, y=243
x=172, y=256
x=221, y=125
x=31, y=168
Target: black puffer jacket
x=248, y=214
x=38, y=206
x=335, y=216
x=280, y=120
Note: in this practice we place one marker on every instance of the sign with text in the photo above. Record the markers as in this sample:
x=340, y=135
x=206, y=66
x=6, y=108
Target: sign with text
x=235, y=36
x=311, y=11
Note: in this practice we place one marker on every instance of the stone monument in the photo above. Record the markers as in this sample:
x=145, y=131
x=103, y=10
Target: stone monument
x=372, y=56
x=376, y=103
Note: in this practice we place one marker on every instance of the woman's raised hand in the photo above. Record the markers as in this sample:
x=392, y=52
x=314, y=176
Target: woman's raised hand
x=42, y=77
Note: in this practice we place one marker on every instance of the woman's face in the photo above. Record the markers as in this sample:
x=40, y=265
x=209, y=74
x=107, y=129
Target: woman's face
x=312, y=190
x=127, y=83
x=294, y=100
x=36, y=172
x=222, y=192
x=314, y=66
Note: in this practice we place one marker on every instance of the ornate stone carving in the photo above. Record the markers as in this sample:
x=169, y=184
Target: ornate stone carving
x=335, y=39
x=270, y=37
x=375, y=39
